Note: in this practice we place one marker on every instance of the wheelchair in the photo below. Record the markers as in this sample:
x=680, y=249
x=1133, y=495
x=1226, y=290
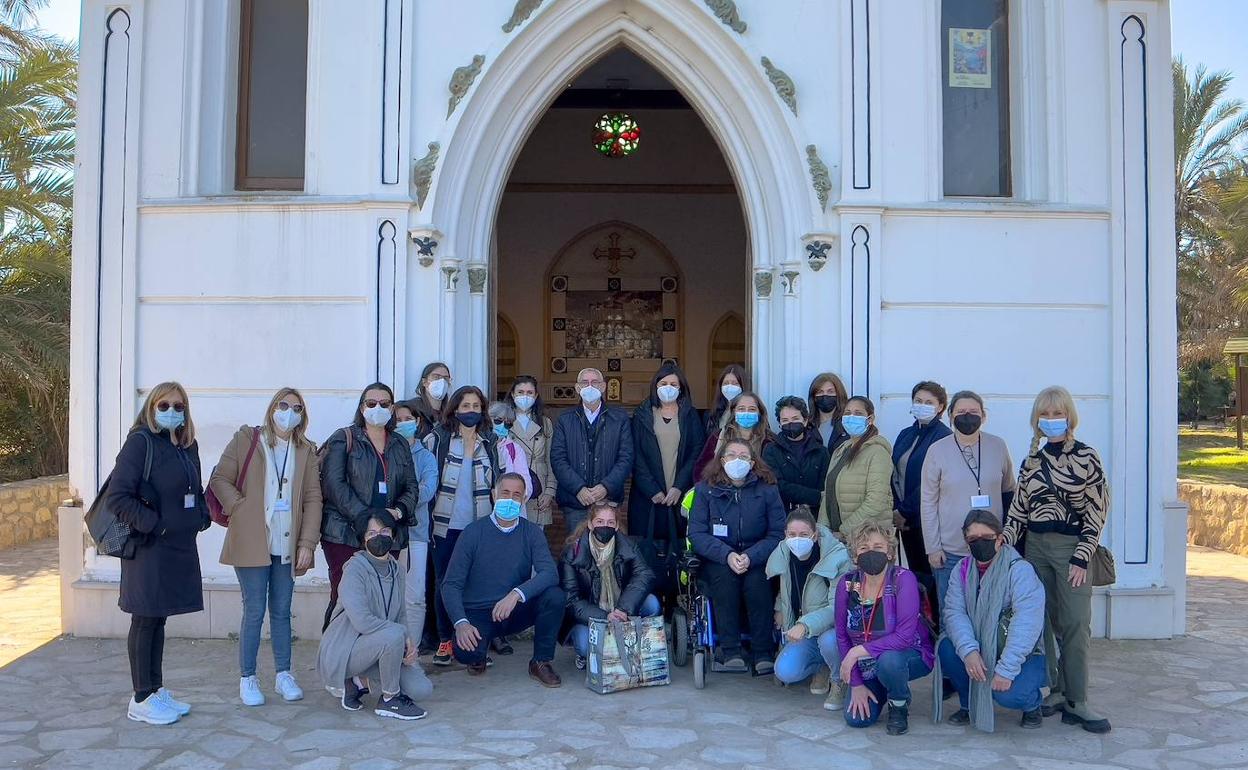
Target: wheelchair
x=693, y=627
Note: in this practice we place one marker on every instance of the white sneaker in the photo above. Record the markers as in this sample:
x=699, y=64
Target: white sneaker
x=152, y=710
x=249, y=691
x=287, y=687
x=179, y=706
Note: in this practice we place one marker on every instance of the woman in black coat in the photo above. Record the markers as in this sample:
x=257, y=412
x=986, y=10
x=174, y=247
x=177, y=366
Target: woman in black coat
x=165, y=509
x=797, y=456
x=596, y=542
x=668, y=434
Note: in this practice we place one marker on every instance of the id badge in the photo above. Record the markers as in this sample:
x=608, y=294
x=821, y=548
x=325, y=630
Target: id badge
x=281, y=506
x=719, y=530
x=981, y=501
x=188, y=500
x=382, y=488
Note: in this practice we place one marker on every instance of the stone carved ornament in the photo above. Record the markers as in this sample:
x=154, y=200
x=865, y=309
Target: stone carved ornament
x=726, y=11
x=520, y=14
x=817, y=254
x=820, y=180
x=461, y=81
x=476, y=279
x=780, y=80
x=762, y=283
x=422, y=173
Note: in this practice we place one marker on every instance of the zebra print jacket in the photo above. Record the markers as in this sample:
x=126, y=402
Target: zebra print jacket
x=1061, y=488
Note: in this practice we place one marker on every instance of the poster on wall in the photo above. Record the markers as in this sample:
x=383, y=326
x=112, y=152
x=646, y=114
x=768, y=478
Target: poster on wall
x=970, y=58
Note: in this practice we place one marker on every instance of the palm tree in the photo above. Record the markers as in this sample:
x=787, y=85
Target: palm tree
x=1209, y=131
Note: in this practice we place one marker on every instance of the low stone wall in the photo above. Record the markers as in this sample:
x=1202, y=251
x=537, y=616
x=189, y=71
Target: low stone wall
x=1218, y=517
x=28, y=509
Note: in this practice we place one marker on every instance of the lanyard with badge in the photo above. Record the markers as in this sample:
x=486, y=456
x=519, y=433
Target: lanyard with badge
x=382, y=486
x=282, y=504
x=382, y=589
x=188, y=500
x=979, y=499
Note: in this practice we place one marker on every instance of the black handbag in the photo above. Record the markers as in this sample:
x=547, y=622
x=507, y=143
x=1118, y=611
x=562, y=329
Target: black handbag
x=112, y=536
x=662, y=555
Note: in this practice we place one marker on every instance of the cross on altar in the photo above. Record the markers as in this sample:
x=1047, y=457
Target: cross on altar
x=614, y=253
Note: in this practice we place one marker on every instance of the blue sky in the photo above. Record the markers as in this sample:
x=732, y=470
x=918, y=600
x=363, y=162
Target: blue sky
x=1209, y=32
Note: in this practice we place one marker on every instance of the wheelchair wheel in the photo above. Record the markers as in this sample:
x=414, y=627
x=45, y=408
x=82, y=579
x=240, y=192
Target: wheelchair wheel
x=699, y=669
x=680, y=638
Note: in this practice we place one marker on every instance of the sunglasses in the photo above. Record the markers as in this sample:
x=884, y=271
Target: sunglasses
x=284, y=405
x=165, y=406
x=501, y=421
x=372, y=403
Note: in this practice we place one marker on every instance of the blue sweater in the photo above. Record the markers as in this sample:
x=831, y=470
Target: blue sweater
x=488, y=563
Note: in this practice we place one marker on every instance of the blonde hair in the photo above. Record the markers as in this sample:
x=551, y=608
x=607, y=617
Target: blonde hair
x=184, y=436
x=1058, y=398
x=298, y=434
x=869, y=528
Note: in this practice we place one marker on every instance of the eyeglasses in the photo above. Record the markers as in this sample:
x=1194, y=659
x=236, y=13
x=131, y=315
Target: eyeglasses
x=372, y=403
x=590, y=383
x=284, y=405
x=606, y=504
x=176, y=406
x=501, y=421
x=747, y=458
x=970, y=540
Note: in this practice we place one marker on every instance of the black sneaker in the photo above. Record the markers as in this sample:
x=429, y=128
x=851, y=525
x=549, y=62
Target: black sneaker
x=351, y=695
x=960, y=717
x=1032, y=719
x=898, y=719
x=399, y=707
x=580, y=662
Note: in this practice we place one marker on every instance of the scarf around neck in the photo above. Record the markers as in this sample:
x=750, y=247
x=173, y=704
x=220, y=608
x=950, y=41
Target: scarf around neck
x=604, y=558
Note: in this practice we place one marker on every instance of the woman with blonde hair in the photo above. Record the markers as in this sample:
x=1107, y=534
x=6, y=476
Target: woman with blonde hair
x=269, y=485
x=1060, y=504
x=156, y=488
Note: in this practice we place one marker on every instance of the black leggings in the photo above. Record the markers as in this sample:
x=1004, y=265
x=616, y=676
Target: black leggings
x=146, y=647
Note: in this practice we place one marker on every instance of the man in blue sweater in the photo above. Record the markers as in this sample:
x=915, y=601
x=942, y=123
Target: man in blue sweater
x=502, y=580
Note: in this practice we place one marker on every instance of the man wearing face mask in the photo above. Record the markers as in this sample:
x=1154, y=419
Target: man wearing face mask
x=592, y=453
x=501, y=581
x=367, y=635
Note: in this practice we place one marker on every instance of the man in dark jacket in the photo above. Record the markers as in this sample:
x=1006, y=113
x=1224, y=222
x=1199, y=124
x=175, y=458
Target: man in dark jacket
x=592, y=454
x=797, y=456
x=592, y=595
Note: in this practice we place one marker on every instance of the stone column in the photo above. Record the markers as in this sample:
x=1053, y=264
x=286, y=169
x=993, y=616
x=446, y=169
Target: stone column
x=478, y=324
x=450, y=288
x=763, y=341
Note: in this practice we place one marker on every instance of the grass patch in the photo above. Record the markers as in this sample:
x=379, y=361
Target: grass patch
x=1209, y=455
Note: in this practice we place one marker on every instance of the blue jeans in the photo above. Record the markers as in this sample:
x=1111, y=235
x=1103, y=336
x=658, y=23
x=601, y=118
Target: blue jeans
x=276, y=585
x=1024, y=692
x=942, y=575
x=800, y=660
x=894, y=671
x=579, y=635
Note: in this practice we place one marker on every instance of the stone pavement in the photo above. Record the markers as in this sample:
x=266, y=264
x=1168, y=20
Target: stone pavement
x=1175, y=704
x=30, y=603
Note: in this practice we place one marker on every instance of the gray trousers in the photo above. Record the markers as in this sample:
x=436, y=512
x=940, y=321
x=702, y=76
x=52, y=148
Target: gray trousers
x=413, y=561
x=1067, y=613
x=379, y=656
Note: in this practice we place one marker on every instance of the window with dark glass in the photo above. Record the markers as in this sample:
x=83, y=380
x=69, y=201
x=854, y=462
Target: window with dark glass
x=272, y=94
x=975, y=82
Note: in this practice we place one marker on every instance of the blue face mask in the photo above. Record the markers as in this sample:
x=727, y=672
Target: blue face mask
x=501, y=430
x=406, y=429
x=1054, y=428
x=170, y=420
x=507, y=510
x=747, y=420
x=855, y=424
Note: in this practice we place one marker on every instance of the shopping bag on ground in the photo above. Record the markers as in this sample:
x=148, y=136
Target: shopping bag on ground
x=625, y=655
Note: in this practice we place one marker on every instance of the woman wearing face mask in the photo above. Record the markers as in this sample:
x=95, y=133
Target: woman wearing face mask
x=880, y=629
x=512, y=456
x=604, y=577
x=927, y=404
x=667, y=437
x=367, y=637
x=797, y=456
x=737, y=520
x=1060, y=503
x=967, y=470
x=418, y=580
x=430, y=397
x=534, y=431
x=732, y=382
x=808, y=562
x=826, y=399
x=468, y=463
x=366, y=471
x=749, y=423
x=165, y=508
x=859, y=485
x=275, y=520
x=990, y=646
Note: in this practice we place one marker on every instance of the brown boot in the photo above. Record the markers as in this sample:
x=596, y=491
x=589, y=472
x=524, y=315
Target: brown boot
x=543, y=672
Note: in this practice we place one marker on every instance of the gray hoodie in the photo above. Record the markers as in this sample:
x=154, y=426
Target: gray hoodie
x=369, y=600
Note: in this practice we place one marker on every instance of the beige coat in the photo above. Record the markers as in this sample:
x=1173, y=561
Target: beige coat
x=536, y=443
x=246, y=539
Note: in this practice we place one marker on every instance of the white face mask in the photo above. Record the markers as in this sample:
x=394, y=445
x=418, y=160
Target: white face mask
x=922, y=412
x=737, y=469
x=730, y=391
x=668, y=393
x=591, y=395
x=378, y=416
x=800, y=546
x=437, y=389
x=286, y=420
x=525, y=403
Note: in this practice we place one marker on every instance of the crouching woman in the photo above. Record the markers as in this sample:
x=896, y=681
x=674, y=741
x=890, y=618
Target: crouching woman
x=367, y=636
x=993, y=616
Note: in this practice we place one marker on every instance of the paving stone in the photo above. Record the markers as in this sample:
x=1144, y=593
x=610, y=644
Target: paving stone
x=56, y=740
x=657, y=737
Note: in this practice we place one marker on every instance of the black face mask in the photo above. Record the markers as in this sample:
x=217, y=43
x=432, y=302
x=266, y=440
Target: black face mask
x=825, y=403
x=468, y=419
x=966, y=424
x=379, y=545
x=983, y=550
x=604, y=535
x=793, y=429
x=872, y=562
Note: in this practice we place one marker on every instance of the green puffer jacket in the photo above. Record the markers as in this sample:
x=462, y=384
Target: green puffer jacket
x=818, y=610
x=863, y=488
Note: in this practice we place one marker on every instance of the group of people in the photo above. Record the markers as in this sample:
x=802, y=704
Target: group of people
x=443, y=499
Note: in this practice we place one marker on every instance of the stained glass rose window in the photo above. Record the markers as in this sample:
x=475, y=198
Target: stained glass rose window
x=616, y=135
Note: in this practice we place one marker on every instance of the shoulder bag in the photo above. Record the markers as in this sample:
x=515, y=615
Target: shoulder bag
x=216, y=511
x=112, y=536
